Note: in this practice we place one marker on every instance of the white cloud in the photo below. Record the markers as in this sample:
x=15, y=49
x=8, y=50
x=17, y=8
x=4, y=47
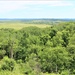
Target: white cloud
x=60, y=3
x=6, y=6
x=52, y=3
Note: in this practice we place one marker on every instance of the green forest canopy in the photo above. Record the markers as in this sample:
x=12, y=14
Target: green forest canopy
x=37, y=51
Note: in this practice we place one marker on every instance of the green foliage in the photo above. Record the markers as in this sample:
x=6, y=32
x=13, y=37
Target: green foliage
x=65, y=72
x=53, y=32
x=2, y=53
x=48, y=51
x=52, y=60
x=7, y=64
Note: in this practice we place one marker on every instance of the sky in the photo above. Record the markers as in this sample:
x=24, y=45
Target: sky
x=37, y=9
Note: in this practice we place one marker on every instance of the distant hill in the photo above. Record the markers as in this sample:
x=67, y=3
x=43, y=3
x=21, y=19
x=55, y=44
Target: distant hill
x=38, y=21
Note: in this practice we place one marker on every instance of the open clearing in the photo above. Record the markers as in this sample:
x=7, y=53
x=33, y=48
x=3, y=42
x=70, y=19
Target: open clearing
x=21, y=25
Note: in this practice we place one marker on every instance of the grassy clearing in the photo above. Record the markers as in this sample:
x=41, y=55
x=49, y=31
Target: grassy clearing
x=19, y=25
x=50, y=74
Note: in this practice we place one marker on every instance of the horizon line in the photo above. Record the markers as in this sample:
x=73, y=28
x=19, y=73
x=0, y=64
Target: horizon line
x=37, y=18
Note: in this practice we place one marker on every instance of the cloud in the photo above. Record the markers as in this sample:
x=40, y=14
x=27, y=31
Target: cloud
x=52, y=3
x=60, y=3
x=7, y=6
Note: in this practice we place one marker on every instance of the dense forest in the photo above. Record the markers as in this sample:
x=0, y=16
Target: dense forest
x=38, y=51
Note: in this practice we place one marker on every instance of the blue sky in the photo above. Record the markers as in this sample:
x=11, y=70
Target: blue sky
x=37, y=9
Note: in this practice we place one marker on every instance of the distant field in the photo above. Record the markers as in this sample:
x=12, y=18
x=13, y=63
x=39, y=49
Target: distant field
x=20, y=25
